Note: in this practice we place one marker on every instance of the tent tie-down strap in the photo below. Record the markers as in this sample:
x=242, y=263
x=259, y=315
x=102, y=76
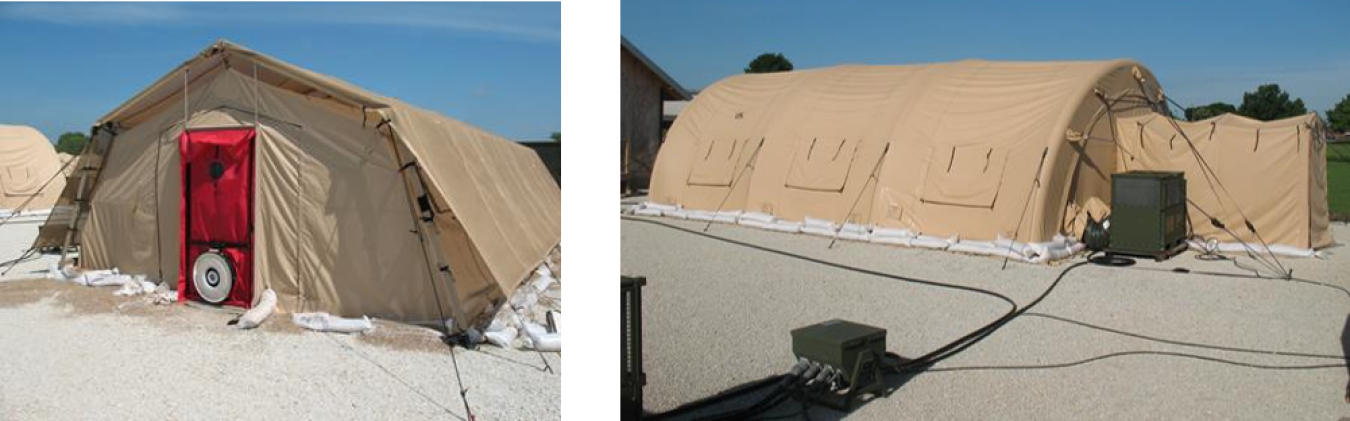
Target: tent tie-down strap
x=423, y=200
x=1212, y=177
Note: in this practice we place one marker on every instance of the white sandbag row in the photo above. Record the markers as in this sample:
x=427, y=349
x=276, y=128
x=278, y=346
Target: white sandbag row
x=1214, y=246
x=130, y=285
x=157, y=293
x=1060, y=247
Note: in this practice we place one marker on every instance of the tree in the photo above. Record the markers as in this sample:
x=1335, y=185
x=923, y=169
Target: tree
x=556, y=136
x=1338, y=117
x=71, y=143
x=1269, y=102
x=1208, y=111
x=769, y=63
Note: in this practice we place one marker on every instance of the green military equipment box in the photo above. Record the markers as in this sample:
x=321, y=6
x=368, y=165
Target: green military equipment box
x=1148, y=214
x=854, y=349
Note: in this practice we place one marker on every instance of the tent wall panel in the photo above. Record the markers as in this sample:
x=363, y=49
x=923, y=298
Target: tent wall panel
x=989, y=122
x=1250, y=159
x=335, y=229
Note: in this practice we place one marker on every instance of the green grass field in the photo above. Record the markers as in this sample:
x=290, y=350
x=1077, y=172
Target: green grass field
x=1338, y=179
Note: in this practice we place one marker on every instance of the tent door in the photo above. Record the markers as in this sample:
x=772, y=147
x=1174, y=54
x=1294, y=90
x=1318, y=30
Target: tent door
x=216, y=229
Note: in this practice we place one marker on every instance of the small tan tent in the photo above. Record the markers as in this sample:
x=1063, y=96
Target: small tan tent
x=1271, y=173
x=361, y=204
x=28, y=170
x=973, y=149
x=66, y=168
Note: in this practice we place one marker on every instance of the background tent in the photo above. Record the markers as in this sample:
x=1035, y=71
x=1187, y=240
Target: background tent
x=29, y=169
x=1271, y=173
x=943, y=149
x=364, y=204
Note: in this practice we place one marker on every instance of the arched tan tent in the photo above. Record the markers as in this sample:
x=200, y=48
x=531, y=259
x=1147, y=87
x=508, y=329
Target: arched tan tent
x=28, y=170
x=361, y=204
x=1273, y=173
x=66, y=168
x=944, y=149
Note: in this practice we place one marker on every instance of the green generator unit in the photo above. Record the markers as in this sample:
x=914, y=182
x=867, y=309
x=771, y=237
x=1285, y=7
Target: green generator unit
x=630, y=361
x=853, y=349
x=1148, y=214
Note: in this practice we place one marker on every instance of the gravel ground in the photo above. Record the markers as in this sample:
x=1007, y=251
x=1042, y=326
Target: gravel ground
x=717, y=316
x=72, y=352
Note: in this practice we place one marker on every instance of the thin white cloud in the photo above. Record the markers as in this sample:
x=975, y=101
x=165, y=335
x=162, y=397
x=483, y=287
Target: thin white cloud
x=503, y=20
x=92, y=13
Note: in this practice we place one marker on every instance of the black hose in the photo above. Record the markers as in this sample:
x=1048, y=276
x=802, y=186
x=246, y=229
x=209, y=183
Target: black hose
x=708, y=402
x=1183, y=343
x=923, y=362
x=1129, y=353
x=936, y=355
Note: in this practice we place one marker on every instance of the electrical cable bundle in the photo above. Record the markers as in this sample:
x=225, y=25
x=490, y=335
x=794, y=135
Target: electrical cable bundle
x=795, y=381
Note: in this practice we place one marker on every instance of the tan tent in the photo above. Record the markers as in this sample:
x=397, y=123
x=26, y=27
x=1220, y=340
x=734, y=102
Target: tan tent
x=347, y=183
x=1271, y=173
x=66, y=168
x=28, y=170
x=943, y=149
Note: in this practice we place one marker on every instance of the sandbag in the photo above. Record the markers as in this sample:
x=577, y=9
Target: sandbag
x=541, y=340
x=255, y=316
x=938, y=243
x=324, y=322
x=136, y=286
x=727, y=217
x=897, y=236
x=785, y=226
x=756, y=216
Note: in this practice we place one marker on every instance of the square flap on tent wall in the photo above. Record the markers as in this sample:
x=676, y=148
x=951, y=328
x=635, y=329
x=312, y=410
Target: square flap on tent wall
x=964, y=176
x=19, y=182
x=717, y=162
x=822, y=164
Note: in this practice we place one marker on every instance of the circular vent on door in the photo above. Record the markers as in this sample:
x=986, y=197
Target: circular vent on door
x=213, y=276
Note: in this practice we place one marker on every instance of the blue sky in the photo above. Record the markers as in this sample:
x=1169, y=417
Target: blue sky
x=1201, y=51
x=496, y=66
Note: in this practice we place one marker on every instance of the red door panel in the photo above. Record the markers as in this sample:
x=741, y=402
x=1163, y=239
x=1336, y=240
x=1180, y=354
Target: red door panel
x=217, y=206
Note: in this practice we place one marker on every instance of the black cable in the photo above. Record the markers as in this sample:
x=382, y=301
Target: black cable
x=1183, y=343
x=971, y=339
x=931, y=357
x=28, y=255
x=936, y=355
x=786, y=384
x=1184, y=270
x=1211, y=177
x=1130, y=353
x=1209, y=172
x=716, y=399
x=810, y=259
x=924, y=363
